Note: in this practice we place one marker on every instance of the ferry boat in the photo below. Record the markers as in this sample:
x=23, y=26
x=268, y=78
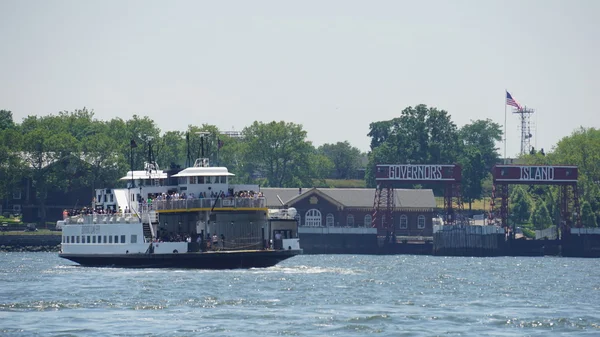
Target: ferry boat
x=190, y=218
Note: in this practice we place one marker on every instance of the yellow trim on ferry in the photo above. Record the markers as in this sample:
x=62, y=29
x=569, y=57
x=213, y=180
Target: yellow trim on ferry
x=229, y=209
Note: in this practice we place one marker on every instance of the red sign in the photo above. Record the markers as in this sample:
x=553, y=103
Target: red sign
x=418, y=173
x=535, y=174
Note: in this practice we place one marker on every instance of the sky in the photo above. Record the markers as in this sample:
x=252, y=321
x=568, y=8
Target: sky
x=332, y=66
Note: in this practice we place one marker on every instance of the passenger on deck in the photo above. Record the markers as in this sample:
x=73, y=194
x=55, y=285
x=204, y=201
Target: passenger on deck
x=215, y=241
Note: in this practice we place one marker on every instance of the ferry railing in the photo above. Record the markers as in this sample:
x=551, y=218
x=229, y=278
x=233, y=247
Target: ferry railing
x=233, y=203
x=87, y=219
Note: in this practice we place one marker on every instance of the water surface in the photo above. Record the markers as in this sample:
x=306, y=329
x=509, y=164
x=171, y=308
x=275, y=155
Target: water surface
x=310, y=295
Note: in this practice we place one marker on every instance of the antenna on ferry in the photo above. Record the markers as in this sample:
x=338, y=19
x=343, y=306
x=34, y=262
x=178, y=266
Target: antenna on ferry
x=202, y=135
x=188, y=161
x=149, y=150
x=151, y=165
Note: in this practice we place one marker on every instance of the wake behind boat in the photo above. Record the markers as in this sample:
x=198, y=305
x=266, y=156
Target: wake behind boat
x=190, y=218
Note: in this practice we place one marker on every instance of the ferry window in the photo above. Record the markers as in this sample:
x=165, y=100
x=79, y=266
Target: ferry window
x=77, y=238
x=89, y=240
x=110, y=239
x=93, y=239
x=192, y=180
x=421, y=222
x=200, y=180
x=133, y=238
x=99, y=239
x=105, y=199
x=330, y=220
x=112, y=198
x=105, y=239
x=122, y=238
x=350, y=220
x=116, y=239
x=72, y=239
x=368, y=219
x=403, y=222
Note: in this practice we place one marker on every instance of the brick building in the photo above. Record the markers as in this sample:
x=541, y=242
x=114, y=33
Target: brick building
x=353, y=208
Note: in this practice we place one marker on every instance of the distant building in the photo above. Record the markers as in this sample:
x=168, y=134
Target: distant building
x=353, y=207
x=233, y=134
x=24, y=201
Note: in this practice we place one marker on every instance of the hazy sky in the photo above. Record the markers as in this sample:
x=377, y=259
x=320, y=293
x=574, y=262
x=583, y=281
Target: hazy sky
x=332, y=66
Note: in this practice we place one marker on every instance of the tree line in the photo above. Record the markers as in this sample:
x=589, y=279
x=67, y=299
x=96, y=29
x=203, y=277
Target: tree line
x=73, y=150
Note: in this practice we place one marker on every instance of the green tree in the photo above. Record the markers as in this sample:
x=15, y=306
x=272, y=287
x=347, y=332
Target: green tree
x=483, y=135
x=145, y=133
x=582, y=148
x=473, y=174
x=231, y=155
x=171, y=149
x=44, y=147
x=588, y=218
x=520, y=205
x=11, y=166
x=380, y=132
x=105, y=164
x=320, y=167
x=379, y=155
x=345, y=158
x=421, y=135
x=78, y=123
x=6, y=120
x=478, y=155
x=279, y=152
x=540, y=218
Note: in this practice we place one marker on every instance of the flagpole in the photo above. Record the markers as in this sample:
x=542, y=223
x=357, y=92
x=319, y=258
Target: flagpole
x=505, y=95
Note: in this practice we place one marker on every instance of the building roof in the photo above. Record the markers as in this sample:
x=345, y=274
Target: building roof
x=286, y=194
x=352, y=197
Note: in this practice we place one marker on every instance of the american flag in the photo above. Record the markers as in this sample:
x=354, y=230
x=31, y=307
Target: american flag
x=512, y=102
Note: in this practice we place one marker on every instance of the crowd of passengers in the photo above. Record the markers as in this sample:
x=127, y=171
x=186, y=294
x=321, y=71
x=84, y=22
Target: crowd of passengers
x=203, y=195
x=92, y=211
x=162, y=196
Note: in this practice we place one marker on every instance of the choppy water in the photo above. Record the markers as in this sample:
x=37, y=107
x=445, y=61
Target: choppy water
x=318, y=295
